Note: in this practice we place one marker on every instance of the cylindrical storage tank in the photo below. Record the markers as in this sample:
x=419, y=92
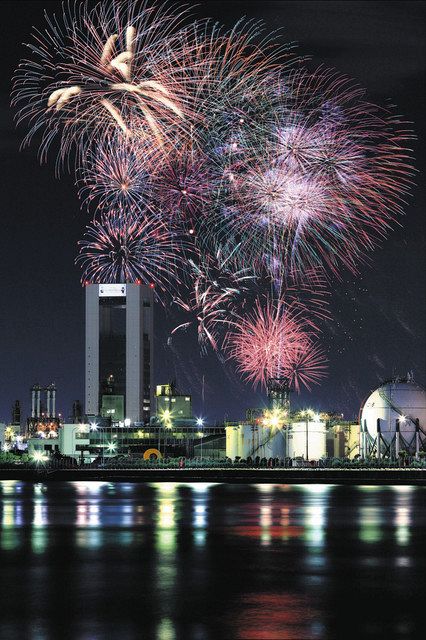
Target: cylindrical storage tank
x=262, y=442
x=246, y=440
x=396, y=399
x=307, y=441
x=231, y=442
x=279, y=444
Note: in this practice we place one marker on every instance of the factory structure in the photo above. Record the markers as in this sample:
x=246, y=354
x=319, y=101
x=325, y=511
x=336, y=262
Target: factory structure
x=392, y=423
x=124, y=414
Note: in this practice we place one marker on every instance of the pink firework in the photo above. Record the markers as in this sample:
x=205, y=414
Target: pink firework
x=281, y=199
x=274, y=341
x=307, y=366
x=321, y=182
x=130, y=248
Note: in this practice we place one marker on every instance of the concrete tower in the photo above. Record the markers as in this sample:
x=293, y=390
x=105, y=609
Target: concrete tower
x=119, y=351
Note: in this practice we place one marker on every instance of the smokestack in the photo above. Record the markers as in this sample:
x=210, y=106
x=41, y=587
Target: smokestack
x=77, y=412
x=54, y=402
x=33, y=402
x=38, y=401
x=48, y=402
x=16, y=413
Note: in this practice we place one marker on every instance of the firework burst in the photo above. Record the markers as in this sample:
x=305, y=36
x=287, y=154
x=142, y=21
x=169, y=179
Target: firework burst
x=117, y=174
x=319, y=183
x=101, y=70
x=130, y=248
x=282, y=175
x=275, y=341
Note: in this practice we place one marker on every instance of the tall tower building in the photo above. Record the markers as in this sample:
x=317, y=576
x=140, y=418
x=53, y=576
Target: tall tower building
x=119, y=351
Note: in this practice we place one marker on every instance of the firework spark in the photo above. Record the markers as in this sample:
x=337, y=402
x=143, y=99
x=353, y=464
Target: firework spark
x=184, y=185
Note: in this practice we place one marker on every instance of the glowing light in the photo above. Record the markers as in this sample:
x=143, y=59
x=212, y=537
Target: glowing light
x=274, y=418
x=166, y=417
x=39, y=456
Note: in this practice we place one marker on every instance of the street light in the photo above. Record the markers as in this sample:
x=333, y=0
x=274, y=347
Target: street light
x=200, y=434
x=39, y=456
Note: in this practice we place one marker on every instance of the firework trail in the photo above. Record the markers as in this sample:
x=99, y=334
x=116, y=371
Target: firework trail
x=131, y=248
x=215, y=291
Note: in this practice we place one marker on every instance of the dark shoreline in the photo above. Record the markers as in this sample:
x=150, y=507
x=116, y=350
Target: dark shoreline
x=231, y=476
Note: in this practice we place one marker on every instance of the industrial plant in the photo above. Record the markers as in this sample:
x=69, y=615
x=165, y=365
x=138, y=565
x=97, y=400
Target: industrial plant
x=125, y=415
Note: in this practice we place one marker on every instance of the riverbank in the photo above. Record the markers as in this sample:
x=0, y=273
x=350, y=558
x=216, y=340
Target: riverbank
x=244, y=476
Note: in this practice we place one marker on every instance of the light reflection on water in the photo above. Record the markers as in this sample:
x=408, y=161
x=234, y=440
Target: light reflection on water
x=205, y=560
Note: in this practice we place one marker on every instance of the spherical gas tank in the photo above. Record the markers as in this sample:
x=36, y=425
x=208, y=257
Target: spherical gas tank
x=396, y=399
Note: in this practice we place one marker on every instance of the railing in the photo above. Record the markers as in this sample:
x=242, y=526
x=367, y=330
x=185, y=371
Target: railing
x=195, y=464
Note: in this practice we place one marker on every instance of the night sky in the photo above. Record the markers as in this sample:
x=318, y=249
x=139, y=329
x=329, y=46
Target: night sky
x=379, y=316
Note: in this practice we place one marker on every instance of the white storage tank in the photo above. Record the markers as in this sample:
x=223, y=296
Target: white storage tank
x=279, y=444
x=246, y=440
x=262, y=442
x=232, y=442
x=400, y=399
x=307, y=440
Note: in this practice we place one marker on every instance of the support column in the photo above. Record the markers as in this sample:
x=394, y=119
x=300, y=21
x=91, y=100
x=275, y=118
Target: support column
x=38, y=401
x=417, y=438
x=397, y=435
x=379, y=453
x=365, y=438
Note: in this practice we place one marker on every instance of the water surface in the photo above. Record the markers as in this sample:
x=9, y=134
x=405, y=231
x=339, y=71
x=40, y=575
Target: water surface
x=88, y=560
